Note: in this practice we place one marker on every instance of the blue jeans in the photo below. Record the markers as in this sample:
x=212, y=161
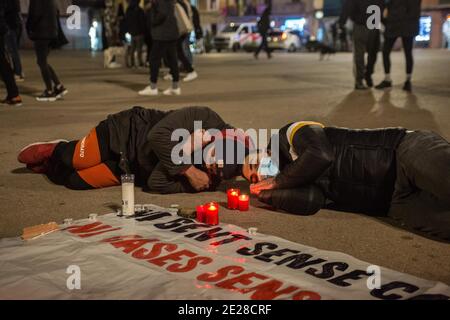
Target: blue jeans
x=12, y=45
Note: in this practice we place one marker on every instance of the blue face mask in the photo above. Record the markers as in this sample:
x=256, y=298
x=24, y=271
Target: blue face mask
x=267, y=168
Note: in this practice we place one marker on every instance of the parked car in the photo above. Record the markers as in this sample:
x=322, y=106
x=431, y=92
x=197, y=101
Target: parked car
x=236, y=36
x=288, y=40
x=284, y=40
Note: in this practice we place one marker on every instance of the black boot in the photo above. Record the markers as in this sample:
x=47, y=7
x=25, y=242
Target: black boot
x=384, y=85
x=407, y=86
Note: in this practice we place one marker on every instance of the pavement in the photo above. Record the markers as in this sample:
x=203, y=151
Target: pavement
x=248, y=94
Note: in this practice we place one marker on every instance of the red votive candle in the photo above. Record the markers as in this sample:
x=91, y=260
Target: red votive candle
x=212, y=213
x=201, y=213
x=233, y=198
x=244, y=202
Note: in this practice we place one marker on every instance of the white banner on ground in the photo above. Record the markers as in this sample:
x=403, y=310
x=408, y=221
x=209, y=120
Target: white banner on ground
x=159, y=255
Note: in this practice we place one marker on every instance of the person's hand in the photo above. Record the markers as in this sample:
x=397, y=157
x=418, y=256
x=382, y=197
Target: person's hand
x=198, y=179
x=267, y=184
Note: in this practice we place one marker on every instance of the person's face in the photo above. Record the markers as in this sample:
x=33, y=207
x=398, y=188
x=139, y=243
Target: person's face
x=250, y=167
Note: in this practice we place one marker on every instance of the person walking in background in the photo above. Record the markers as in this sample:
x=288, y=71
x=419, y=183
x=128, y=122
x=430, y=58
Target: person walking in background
x=12, y=38
x=343, y=38
x=165, y=35
x=112, y=44
x=197, y=26
x=135, y=25
x=402, y=20
x=43, y=28
x=6, y=72
x=364, y=39
x=183, y=46
x=148, y=29
x=263, y=29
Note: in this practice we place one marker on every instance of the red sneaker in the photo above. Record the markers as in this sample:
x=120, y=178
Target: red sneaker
x=37, y=153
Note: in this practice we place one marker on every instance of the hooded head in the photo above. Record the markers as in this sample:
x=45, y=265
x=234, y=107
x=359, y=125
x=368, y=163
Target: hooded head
x=227, y=152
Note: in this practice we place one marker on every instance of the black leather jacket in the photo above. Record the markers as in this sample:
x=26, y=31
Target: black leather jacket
x=354, y=169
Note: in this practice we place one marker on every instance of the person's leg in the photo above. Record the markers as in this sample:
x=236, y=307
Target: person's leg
x=265, y=45
x=181, y=55
x=13, y=47
x=261, y=46
x=172, y=59
x=387, y=48
x=421, y=199
x=408, y=43
x=187, y=50
x=106, y=174
x=373, y=46
x=7, y=73
x=88, y=152
x=132, y=51
x=425, y=158
x=155, y=61
x=139, y=48
x=360, y=37
x=301, y=201
x=42, y=49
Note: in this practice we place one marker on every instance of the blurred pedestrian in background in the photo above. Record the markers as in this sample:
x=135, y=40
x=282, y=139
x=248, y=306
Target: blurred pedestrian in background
x=197, y=27
x=148, y=29
x=263, y=29
x=164, y=32
x=343, y=38
x=12, y=97
x=12, y=38
x=184, y=45
x=135, y=26
x=402, y=20
x=44, y=29
x=112, y=44
x=364, y=39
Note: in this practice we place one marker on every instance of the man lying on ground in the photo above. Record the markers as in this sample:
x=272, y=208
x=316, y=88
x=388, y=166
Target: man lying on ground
x=138, y=141
x=401, y=174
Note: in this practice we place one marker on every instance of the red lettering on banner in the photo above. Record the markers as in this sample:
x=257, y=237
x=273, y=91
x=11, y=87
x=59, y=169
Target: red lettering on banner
x=191, y=264
x=87, y=235
x=306, y=295
x=88, y=230
x=131, y=245
x=96, y=226
x=221, y=274
x=244, y=279
x=176, y=256
x=268, y=290
x=155, y=251
x=117, y=238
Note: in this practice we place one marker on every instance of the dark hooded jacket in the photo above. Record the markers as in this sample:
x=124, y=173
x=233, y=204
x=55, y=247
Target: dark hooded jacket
x=403, y=18
x=135, y=19
x=356, y=10
x=264, y=21
x=143, y=139
x=42, y=23
x=164, y=23
x=352, y=170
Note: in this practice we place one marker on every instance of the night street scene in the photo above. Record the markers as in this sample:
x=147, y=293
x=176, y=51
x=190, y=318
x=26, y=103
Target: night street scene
x=218, y=152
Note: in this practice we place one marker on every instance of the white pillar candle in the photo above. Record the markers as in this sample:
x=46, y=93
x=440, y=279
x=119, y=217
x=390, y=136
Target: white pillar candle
x=127, y=194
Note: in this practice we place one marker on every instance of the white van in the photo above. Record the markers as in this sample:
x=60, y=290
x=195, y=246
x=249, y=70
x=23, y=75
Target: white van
x=235, y=36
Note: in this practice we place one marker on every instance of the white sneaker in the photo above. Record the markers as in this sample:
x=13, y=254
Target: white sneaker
x=168, y=77
x=172, y=92
x=148, y=91
x=190, y=76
